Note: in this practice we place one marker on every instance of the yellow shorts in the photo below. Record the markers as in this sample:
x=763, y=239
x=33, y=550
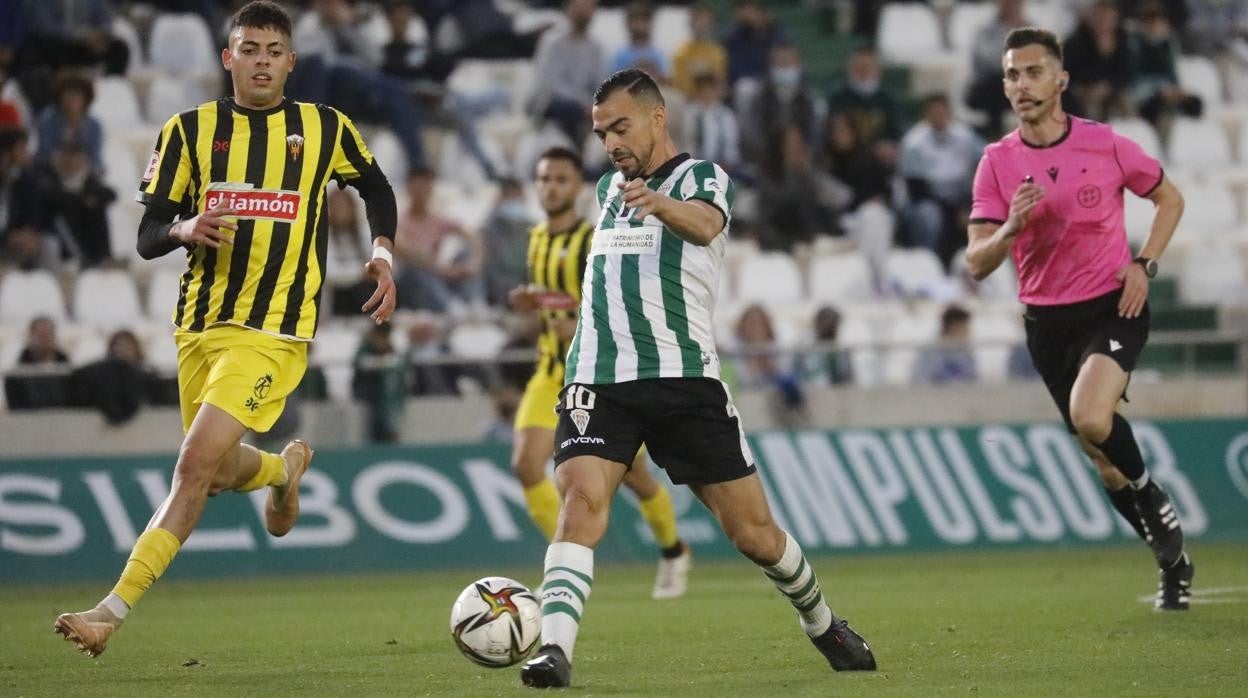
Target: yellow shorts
x=245, y=372
x=537, y=407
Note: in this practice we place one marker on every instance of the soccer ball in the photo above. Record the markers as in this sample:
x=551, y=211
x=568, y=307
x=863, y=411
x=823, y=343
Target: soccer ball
x=496, y=622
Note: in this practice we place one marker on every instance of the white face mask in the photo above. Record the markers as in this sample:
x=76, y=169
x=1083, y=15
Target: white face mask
x=865, y=87
x=787, y=76
x=513, y=210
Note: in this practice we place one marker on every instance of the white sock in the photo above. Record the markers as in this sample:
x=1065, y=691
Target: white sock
x=1139, y=484
x=116, y=606
x=569, y=574
x=795, y=578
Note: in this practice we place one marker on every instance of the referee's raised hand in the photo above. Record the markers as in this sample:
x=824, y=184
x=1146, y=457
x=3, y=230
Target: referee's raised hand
x=210, y=228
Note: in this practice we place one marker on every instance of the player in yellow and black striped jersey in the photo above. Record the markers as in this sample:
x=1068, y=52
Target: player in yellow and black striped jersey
x=558, y=249
x=240, y=184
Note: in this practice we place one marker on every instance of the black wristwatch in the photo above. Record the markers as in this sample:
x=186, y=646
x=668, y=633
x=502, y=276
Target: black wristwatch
x=1150, y=266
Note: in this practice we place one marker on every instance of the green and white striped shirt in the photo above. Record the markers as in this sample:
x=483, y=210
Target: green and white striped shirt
x=648, y=296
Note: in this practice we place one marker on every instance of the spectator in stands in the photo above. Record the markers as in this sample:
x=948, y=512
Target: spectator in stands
x=1154, y=50
x=938, y=160
x=475, y=29
x=749, y=42
x=848, y=158
x=41, y=379
x=640, y=51
x=1176, y=11
x=1019, y=366
x=66, y=120
x=702, y=54
x=783, y=102
x=74, y=201
x=338, y=66
x=117, y=385
x=568, y=66
x=346, y=254
x=426, y=351
x=984, y=92
x=20, y=212
x=378, y=382
x=1098, y=57
x=1219, y=29
x=871, y=109
x=432, y=275
x=828, y=364
x=10, y=113
x=761, y=366
x=506, y=242
x=950, y=360
x=66, y=33
x=711, y=127
x=796, y=201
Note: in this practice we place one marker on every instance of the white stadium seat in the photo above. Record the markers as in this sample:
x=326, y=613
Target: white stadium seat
x=106, y=299
x=182, y=44
x=1213, y=274
x=86, y=346
x=116, y=105
x=162, y=294
x=993, y=336
x=769, y=276
x=476, y=340
x=610, y=31
x=915, y=272
x=966, y=21
x=1199, y=75
x=123, y=229
x=388, y=152
x=1141, y=132
x=911, y=329
x=27, y=294
x=161, y=351
x=1199, y=144
x=1138, y=214
x=839, y=278
x=334, y=350
x=909, y=33
x=167, y=96
x=671, y=29
x=1209, y=211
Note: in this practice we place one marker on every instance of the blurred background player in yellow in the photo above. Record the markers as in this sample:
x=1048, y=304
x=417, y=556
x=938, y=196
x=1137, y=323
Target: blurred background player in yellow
x=245, y=178
x=558, y=249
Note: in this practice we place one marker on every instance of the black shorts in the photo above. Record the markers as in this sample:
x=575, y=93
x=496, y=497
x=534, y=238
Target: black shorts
x=689, y=426
x=1061, y=337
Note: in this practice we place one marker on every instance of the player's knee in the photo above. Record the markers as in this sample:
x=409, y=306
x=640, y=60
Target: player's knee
x=195, y=466
x=1091, y=426
x=762, y=544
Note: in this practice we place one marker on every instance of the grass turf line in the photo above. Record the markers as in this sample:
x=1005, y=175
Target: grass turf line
x=987, y=623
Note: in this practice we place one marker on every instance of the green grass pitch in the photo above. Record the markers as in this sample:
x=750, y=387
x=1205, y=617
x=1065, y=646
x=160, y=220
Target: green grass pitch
x=1037, y=623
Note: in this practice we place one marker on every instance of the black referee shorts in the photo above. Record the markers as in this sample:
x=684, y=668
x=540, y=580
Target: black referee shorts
x=689, y=426
x=1061, y=337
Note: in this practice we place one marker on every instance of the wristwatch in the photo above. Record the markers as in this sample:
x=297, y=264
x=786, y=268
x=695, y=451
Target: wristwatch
x=1149, y=265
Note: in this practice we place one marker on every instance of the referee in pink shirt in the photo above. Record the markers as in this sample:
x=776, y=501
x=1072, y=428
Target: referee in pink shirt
x=1049, y=195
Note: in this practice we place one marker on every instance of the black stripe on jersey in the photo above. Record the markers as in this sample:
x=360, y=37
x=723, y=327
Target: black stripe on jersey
x=352, y=151
x=171, y=155
x=280, y=238
x=294, y=297
x=257, y=159
x=217, y=173
x=322, y=253
x=190, y=125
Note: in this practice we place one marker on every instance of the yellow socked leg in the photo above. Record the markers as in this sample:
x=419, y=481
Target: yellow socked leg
x=658, y=513
x=152, y=553
x=543, y=502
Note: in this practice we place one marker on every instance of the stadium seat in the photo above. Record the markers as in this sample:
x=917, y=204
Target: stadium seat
x=858, y=335
x=1213, y=274
x=1243, y=142
x=609, y=29
x=334, y=350
x=1141, y=132
x=124, y=29
x=105, y=299
x=769, y=276
x=967, y=19
x=908, y=330
x=181, y=44
x=478, y=340
x=994, y=335
x=1209, y=211
x=1199, y=145
x=123, y=228
x=671, y=28
x=27, y=294
x=389, y=155
x=1138, y=216
x=916, y=272
x=840, y=278
x=162, y=294
x=166, y=96
x=1000, y=285
x=161, y=352
x=1199, y=75
x=116, y=105
x=909, y=32
x=85, y=345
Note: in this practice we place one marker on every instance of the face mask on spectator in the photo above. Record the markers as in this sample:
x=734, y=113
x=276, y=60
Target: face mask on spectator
x=513, y=210
x=864, y=87
x=787, y=76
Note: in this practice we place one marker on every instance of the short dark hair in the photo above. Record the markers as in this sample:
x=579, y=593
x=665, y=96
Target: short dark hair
x=559, y=152
x=74, y=82
x=262, y=14
x=638, y=83
x=1026, y=36
x=935, y=98
x=953, y=315
x=424, y=171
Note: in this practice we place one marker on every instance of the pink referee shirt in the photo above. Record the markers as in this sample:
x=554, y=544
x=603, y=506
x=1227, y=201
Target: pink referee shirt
x=1075, y=241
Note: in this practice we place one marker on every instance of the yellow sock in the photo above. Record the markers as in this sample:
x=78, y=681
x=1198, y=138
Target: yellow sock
x=151, y=555
x=272, y=472
x=543, y=502
x=657, y=511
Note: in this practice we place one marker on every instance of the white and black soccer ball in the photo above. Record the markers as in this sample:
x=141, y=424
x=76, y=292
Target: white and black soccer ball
x=496, y=622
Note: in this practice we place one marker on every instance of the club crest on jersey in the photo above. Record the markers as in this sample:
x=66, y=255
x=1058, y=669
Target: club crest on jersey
x=254, y=204
x=294, y=145
x=581, y=419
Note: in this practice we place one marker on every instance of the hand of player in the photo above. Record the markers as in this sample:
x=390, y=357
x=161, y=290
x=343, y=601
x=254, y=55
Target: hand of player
x=522, y=299
x=382, y=302
x=637, y=195
x=210, y=228
x=1134, y=290
x=1025, y=200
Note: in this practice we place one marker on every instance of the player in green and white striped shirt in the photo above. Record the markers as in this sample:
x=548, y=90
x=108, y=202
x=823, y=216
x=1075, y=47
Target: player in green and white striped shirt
x=643, y=369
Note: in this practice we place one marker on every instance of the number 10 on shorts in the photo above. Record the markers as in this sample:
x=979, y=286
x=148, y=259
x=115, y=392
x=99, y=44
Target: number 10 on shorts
x=578, y=397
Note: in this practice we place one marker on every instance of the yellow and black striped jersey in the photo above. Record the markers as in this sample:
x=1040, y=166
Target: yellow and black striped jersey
x=556, y=265
x=272, y=167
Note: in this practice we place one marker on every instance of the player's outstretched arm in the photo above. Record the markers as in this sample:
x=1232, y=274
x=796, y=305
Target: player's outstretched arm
x=988, y=244
x=694, y=221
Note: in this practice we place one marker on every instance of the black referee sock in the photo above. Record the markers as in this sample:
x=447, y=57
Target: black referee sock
x=1124, y=501
x=1122, y=450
